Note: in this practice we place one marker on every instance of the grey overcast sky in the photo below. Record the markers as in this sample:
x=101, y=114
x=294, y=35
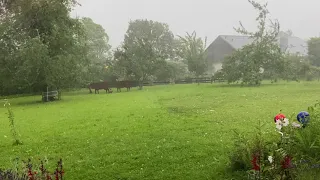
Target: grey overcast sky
x=208, y=18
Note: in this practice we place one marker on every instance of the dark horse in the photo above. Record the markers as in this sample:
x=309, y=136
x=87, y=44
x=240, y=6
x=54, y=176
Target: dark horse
x=100, y=85
x=123, y=84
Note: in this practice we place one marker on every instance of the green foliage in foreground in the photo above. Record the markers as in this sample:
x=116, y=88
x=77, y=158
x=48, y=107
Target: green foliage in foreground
x=163, y=132
x=290, y=152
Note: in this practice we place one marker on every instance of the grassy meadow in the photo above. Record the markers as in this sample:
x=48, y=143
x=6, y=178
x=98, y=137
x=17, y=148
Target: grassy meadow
x=162, y=132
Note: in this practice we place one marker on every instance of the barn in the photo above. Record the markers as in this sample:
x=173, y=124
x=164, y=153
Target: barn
x=225, y=45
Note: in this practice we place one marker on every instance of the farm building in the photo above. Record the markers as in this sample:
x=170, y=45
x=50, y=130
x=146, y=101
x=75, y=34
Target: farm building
x=224, y=45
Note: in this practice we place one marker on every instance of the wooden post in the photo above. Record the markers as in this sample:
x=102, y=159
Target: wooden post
x=59, y=94
x=47, y=94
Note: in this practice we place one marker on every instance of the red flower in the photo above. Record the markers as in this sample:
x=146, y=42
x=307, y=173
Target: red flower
x=42, y=169
x=48, y=177
x=61, y=172
x=255, y=163
x=286, y=163
x=279, y=117
x=31, y=174
x=56, y=174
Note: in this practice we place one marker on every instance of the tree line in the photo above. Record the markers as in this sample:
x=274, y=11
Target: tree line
x=43, y=46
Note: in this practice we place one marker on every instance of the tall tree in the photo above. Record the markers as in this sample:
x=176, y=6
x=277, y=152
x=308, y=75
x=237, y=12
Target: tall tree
x=121, y=66
x=171, y=70
x=50, y=20
x=45, y=46
x=262, y=56
x=193, y=51
x=147, y=44
x=97, y=46
x=314, y=51
x=178, y=50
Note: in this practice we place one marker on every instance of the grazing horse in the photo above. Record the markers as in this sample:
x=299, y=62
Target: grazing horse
x=123, y=84
x=100, y=85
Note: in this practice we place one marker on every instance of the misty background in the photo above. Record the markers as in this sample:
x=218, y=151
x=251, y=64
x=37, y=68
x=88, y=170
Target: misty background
x=209, y=18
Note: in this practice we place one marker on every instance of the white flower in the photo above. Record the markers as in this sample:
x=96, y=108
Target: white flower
x=281, y=123
x=278, y=125
x=285, y=122
x=270, y=159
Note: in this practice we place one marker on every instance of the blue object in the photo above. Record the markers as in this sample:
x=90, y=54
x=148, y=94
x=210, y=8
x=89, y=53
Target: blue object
x=303, y=117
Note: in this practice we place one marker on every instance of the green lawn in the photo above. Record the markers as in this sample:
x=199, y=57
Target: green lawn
x=163, y=132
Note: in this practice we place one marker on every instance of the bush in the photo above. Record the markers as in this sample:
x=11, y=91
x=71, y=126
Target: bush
x=29, y=172
x=290, y=152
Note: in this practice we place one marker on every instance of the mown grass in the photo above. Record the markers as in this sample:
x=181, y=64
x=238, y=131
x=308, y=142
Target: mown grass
x=163, y=132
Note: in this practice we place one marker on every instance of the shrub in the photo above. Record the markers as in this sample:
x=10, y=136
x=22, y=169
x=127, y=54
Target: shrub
x=29, y=172
x=290, y=152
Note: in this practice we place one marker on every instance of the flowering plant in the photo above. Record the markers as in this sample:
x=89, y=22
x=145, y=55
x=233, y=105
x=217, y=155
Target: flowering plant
x=281, y=121
x=11, y=118
x=29, y=173
x=289, y=153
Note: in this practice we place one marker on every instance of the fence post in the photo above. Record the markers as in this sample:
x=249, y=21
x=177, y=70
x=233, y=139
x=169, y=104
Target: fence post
x=47, y=94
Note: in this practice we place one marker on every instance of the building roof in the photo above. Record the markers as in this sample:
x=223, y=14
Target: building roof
x=237, y=42
x=295, y=44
